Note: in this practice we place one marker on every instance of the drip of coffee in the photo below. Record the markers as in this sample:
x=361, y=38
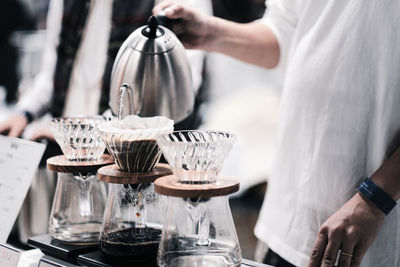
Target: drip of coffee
x=131, y=242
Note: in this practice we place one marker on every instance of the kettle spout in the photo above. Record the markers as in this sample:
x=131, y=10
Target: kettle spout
x=125, y=89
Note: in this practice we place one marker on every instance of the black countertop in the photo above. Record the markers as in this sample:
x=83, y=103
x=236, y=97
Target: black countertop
x=66, y=255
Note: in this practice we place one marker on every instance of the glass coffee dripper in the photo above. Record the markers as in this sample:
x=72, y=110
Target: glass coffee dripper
x=80, y=198
x=135, y=150
x=79, y=137
x=198, y=229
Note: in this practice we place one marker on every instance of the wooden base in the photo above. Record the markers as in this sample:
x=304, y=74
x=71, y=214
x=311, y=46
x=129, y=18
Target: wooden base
x=112, y=174
x=62, y=164
x=170, y=186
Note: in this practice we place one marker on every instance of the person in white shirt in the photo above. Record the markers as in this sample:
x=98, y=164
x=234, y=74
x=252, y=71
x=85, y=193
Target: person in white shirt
x=339, y=123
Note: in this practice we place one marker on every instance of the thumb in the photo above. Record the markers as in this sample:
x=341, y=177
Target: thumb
x=178, y=12
x=161, y=6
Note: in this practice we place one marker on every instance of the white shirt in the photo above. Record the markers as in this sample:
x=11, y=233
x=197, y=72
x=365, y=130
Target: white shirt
x=83, y=96
x=85, y=86
x=340, y=114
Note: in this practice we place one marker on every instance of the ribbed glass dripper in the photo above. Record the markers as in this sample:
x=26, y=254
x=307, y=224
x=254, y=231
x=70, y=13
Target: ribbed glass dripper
x=196, y=157
x=79, y=137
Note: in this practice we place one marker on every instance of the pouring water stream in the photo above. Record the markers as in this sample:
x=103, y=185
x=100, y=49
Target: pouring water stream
x=122, y=90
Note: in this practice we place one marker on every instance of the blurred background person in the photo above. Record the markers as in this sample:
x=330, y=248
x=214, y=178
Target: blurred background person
x=83, y=38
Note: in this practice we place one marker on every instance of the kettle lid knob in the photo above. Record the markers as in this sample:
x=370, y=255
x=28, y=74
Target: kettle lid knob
x=152, y=30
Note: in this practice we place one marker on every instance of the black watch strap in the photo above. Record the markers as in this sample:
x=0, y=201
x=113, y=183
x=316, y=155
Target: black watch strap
x=27, y=115
x=379, y=197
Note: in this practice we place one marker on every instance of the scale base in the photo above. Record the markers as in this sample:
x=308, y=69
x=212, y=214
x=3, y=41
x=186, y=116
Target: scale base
x=99, y=259
x=91, y=256
x=64, y=251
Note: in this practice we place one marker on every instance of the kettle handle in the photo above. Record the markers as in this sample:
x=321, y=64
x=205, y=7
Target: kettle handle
x=125, y=87
x=165, y=21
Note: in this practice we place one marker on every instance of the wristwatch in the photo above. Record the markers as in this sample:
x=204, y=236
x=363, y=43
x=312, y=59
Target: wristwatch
x=27, y=115
x=379, y=197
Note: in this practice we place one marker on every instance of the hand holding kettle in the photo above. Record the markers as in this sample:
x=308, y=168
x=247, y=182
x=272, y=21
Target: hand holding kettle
x=191, y=26
x=252, y=42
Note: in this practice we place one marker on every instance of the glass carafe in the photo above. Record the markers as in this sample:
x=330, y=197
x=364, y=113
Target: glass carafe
x=199, y=232
x=133, y=221
x=78, y=207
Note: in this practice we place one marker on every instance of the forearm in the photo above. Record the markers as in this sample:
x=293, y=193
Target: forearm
x=37, y=98
x=354, y=227
x=387, y=177
x=253, y=42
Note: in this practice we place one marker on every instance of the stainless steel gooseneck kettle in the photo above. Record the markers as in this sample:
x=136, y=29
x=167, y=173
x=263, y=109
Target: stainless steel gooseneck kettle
x=152, y=66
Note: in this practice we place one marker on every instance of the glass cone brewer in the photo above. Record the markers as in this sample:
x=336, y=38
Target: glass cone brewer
x=79, y=137
x=79, y=199
x=198, y=229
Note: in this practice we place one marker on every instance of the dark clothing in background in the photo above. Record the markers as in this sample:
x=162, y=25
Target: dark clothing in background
x=271, y=258
x=127, y=16
x=241, y=11
x=13, y=16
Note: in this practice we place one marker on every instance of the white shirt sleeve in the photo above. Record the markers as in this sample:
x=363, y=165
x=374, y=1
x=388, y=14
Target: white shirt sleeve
x=282, y=17
x=37, y=98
